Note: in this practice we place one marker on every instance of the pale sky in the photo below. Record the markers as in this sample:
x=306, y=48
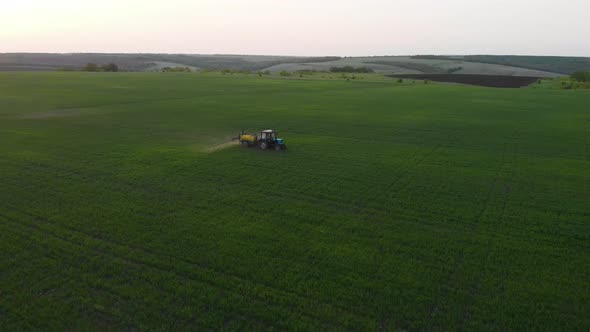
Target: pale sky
x=298, y=27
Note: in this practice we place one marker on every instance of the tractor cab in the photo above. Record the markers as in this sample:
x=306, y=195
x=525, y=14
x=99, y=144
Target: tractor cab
x=268, y=134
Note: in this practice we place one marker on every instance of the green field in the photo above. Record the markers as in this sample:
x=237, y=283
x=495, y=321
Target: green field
x=396, y=207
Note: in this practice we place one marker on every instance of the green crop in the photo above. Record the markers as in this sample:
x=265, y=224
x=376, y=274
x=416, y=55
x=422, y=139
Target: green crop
x=398, y=207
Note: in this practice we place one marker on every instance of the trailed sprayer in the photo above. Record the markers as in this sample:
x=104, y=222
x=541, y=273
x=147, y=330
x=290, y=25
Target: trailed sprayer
x=266, y=140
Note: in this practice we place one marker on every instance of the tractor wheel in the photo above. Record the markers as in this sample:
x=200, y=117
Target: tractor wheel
x=263, y=145
x=244, y=144
x=277, y=147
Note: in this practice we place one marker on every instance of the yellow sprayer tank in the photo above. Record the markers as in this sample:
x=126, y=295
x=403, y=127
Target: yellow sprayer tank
x=248, y=138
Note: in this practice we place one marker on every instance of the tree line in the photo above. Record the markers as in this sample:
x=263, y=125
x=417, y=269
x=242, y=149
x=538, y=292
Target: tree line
x=93, y=67
x=581, y=76
x=351, y=69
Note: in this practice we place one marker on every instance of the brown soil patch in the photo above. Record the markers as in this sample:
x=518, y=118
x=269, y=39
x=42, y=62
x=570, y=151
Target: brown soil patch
x=493, y=81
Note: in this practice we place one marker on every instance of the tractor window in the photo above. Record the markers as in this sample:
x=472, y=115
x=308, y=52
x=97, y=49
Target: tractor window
x=263, y=136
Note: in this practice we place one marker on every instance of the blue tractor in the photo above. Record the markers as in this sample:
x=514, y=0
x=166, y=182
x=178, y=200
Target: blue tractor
x=268, y=140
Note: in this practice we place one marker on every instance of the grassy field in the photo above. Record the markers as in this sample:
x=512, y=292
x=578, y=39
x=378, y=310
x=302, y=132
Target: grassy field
x=396, y=207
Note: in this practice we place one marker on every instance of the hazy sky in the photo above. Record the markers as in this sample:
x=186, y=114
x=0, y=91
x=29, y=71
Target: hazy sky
x=298, y=27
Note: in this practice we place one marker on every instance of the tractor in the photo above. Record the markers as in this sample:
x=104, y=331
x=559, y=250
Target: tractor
x=267, y=140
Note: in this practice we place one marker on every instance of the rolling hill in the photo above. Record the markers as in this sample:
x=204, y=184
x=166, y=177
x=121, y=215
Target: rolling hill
x=476, y=65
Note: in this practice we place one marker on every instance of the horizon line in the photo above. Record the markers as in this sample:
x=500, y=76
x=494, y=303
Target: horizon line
x=301, y=56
